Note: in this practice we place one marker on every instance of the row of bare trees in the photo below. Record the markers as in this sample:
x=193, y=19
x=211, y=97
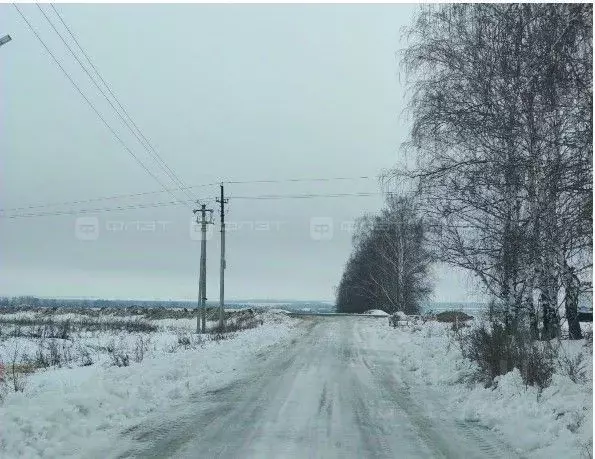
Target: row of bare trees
x=390, y=262
x=501, y=103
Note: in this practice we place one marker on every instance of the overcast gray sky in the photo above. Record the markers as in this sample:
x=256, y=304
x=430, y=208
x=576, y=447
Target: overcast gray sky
x=223, y=92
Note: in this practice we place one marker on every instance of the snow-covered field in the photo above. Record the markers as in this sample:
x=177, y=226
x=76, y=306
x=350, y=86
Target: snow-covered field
x=77, y=410
x=554, y=423
x=86, y=403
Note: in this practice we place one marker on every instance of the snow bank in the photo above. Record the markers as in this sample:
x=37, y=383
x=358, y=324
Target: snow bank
x=70, y=412
x=556, y=423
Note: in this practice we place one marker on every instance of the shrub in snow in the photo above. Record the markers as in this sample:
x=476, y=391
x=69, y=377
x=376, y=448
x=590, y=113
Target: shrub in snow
x=188, y=342
x=64, y=330
x=3, y=385
x=573, y=367
x=85, y=358
x=141, y=346
x=219, y=336
x=499, y=348
x=52, y=352
x=59, y=353
x=119, y=356
x=120, y=359
x=243, y=321
x=15, y=377
x=184, y=341
x=16, y=332
x=589, y=339
x=536, y=362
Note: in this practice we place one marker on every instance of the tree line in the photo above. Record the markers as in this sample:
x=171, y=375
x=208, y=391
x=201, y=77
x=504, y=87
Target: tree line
x=501, y=106
x=389, y=266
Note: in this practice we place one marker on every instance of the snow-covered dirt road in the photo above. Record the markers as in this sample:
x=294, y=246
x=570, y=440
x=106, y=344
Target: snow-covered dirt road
x=330, y=392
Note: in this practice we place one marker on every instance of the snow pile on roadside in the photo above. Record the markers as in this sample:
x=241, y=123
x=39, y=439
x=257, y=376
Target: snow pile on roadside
x=67, y=412
x=376, y=312
x=558, y=422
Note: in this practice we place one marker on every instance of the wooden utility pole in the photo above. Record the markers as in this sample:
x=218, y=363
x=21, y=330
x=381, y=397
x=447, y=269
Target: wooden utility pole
x=202, y=284
x=222, y=201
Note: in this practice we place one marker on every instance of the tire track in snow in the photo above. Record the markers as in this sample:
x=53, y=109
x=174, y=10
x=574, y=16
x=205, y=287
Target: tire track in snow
x=331, y=394
x=444, y=435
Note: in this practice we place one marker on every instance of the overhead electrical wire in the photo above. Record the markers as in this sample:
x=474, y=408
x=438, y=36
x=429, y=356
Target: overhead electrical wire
x=177, y=202
x=320, y=179
x=145, y=193
x=127, y=119
x=110, y=128
x=82, y=201
x=307, y=195
x=95, y=210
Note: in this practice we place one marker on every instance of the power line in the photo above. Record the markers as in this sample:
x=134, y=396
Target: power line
x=95, y=210
x=89, y=102
x=321, y=179
x=172, y=203
x=308, y=195
x=84, y=201
x=139, y=136
x=146, y=193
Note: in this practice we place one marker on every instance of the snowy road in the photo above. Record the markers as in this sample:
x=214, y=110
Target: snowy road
x=331, y=393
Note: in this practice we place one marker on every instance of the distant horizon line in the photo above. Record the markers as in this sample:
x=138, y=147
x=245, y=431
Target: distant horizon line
x=230, y=300
x=75, y=297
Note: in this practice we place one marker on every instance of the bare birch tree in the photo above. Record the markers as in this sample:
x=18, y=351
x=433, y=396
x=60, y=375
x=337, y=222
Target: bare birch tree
x=502, y=122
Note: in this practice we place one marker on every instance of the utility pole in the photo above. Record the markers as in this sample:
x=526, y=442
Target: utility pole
x=222, y=201
x=202, y=283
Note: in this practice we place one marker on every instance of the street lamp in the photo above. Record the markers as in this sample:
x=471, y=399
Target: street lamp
x=5, y=39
